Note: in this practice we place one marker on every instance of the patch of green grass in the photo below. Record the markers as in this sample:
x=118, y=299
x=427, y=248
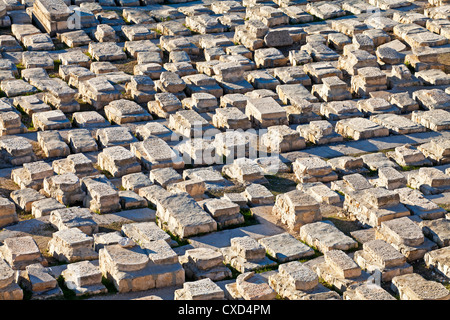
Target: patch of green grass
x=267, y=268
x=348, y=138
x=177, y=239
x=106, y=173
x=409, y=168
x=329, y=286
x=24, y=215
x=56, y=64
x=410, y=67
x=20, y=66
x=316, y=254
x=249, y=218
x=340, y=192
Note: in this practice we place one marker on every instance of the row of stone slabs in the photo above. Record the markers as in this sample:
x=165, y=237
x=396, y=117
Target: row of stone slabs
x=246, y=254
x=67, y=188
x=80, y=140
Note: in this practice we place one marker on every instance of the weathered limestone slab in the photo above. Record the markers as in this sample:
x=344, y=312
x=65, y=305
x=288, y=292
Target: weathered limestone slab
x=145, y=232
x=118, y=161
x=405, y=236
x=76, y=38
x=296, y=208
x=101, y=196
x=51, y=120
x=231, y=118
x=319, y=132
x=331, y=89
x=9, y=289
x=372, y=206
x=98, y=91
x=374, y=161
x=284, y=247
x=420, y=206
x=7, y=212
x=295, y=281
x=397, y=124
x=13, y=88
x=31, y=175
x=20, y=252
x=24, y=198
x=201, y=263
x=432, y=99
x=224, y=211
x=65, y=188
x=154, y=153
x=200, y=102
x=313, y=169
x=81, y=140
x=438, y=260
x=437, y=230
x=368, y=79
x=45, y=206
x=282, y=139
x=415, y=287
x=89, y=119
x=10, y=123
x=324, y=236
x=123, y=111
x=31, y=104
x=52, y=144
x=137, y=269
x=429, y=181
x=378, y=255
x=436, y=150
x=72, y=245
x=78, y=164
x=84, y=278
x=189, y=123
x=265, y=112
x=204, y=289
x=360, y=128
x=246, y=254
x=40, y=282
x=250, y=286
x=368, y=291
x=347, y=165
x=337, y=110
x=183, y=216
x=338, y=269
x=353, y=60
x=244, y=170
x=390, y=178
x=165, y=176
x=106, y=51
x=74, y=217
